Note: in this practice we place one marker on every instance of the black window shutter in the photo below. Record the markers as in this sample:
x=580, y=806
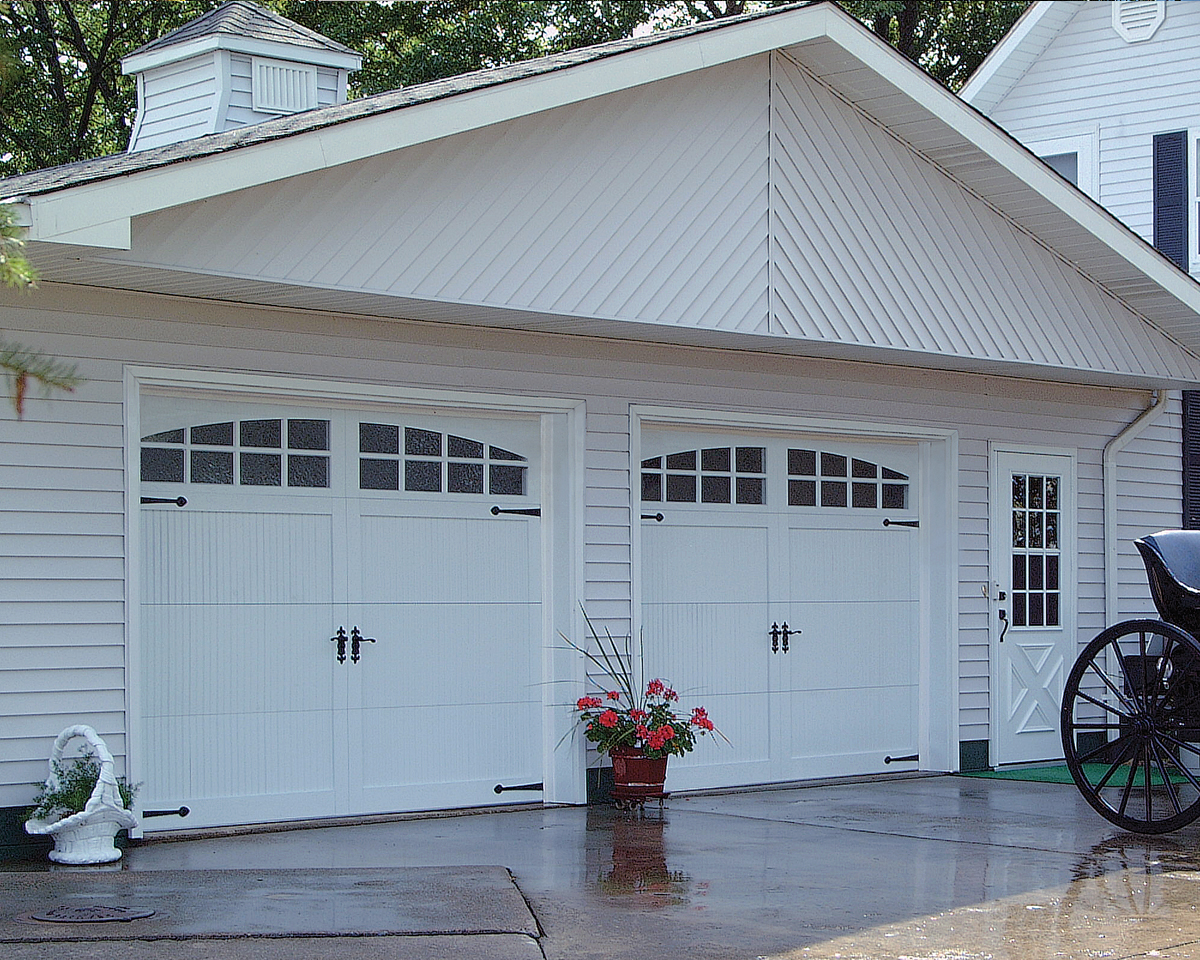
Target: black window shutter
x=1191, y=459
x=1170, y=196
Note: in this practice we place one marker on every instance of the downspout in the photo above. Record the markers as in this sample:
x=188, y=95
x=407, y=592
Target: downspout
x=1111, y=450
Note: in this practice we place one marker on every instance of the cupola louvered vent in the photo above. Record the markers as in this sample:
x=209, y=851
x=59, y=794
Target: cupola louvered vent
x=282, y=87
x=1136, y=20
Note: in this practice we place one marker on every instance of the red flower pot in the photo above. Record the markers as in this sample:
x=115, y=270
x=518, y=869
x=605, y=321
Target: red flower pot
x=636, y=777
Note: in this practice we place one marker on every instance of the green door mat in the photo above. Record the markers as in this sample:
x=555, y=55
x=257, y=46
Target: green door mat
x=1058, y=773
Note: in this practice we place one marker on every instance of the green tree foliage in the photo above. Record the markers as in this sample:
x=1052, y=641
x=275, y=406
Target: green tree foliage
x=65, y=98
x=948, y=38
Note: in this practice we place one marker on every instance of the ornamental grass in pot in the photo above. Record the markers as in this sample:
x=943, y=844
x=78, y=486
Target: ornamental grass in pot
x=638, y=727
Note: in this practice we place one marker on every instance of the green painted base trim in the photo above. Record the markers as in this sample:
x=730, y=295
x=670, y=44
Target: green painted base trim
x=973, y=756
x=1058, y=773
x=15, y=843
x=599, y=785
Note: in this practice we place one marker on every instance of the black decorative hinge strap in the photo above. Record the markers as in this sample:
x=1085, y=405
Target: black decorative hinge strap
x=528, y=512
x=178, y=501
x=901, y=523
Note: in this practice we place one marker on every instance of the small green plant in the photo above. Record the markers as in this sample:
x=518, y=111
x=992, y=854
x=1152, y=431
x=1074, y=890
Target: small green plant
x=76, y=781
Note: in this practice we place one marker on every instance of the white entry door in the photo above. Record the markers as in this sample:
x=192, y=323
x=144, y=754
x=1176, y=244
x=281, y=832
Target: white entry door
x=342, y=603
x=1033, y=590
x=775, y=596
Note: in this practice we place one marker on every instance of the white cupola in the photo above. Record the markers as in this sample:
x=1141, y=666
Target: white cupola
x=238, y=64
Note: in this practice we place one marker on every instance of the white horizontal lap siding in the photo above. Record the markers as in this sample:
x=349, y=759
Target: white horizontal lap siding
x=1150, y=479
x=62, y=565
x=181, y=98
x=642, y=205
x=1088, y=79
x=874, y=245
x=81, y=630
x=241, y=94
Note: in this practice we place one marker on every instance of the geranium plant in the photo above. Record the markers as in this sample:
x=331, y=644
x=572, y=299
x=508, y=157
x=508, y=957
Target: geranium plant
x=623, y=714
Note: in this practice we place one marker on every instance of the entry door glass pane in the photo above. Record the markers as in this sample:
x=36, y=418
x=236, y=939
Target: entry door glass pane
x=1036, y=551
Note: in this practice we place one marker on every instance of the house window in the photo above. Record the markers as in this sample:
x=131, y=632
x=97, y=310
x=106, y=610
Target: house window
x=708, y=475
x=1073, y=157
x=1193, y=205
x=252, y=453
x=416, y=460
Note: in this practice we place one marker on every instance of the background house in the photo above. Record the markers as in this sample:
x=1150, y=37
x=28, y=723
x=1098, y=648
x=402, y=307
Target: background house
x=738, y=325
x=1106, y=94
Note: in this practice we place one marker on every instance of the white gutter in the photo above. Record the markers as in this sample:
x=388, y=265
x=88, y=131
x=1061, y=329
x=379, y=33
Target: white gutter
x=1111, y=450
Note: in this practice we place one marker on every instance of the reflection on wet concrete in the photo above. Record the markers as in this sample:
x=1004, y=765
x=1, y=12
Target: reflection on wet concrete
x=631, y=858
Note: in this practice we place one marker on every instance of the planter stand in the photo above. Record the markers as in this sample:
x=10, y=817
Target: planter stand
x=87, y=836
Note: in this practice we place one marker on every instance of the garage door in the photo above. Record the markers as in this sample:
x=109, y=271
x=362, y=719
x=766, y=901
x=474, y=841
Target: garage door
x=345, y=600
x=780, y=590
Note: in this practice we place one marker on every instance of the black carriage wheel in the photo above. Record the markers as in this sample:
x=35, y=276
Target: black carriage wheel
x=1131, y=726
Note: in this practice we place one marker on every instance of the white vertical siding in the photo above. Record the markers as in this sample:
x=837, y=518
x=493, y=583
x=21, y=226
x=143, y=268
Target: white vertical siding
x=1090, y=80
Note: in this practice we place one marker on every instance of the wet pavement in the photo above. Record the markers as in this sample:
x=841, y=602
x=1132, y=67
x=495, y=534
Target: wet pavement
x=928, y=869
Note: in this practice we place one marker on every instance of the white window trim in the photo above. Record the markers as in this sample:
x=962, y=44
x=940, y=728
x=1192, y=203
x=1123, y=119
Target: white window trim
x=1086, y=147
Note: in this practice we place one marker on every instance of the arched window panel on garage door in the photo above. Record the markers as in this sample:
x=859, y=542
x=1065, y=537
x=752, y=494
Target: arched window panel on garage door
x=831, y=479
x=726, y=474
x=416, y=459
x=252, y=452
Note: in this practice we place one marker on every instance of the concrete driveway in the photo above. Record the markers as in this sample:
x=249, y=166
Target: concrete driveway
x=940, y=867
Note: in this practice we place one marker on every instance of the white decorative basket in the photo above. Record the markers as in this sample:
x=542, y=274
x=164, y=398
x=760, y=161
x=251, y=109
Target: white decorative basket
x=87, y=836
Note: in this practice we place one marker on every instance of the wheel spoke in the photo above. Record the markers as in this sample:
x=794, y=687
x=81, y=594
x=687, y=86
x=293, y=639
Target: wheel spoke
x=1126, y=750
x=1107, y=680
x=1168, y=784
x=1102, y=705
x=1180, y=744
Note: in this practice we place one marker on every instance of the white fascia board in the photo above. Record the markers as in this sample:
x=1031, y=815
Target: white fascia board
x=254, y=47
x=75, y=209
x=994, y=143
x=975, y=91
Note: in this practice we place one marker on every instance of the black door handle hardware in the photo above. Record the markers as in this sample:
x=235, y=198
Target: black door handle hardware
x=901, y=523
x=181, y=812
x=178, y=501
x=787, y=633
x=774, y=638
x=355, y=639
x=529, y=512
x=653, y=516
x=1004, y=620
x=340, y=639
x=912, y=758
x=535, y=787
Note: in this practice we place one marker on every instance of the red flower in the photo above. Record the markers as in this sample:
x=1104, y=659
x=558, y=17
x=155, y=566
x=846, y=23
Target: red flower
x=655, y=688
x=643, y=731
x=636, y=714
x=585, y=703
x=608, y=718
x=666, y=731
x=613, y=695
x=670, y=694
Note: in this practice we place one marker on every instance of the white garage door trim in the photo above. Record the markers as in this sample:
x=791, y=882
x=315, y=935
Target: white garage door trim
x=938, y=550
x=563, y=444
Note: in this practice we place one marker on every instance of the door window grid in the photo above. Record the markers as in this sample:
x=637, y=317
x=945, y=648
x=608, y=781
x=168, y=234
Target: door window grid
x=241, y=452
x=818, y=477
x=428, y=461
x=707, y=475
x=1036, y=552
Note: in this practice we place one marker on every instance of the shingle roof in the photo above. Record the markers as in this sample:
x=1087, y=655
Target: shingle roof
x=244, y=19
x=122, y=164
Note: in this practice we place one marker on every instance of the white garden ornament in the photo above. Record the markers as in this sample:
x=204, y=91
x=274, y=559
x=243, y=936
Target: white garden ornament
x=87, y=836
